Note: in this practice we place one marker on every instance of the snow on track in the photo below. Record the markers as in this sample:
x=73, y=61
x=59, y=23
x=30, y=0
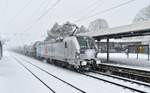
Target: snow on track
x=56, y=85
x=16, y=79
x=85, y=83
x=122, y=82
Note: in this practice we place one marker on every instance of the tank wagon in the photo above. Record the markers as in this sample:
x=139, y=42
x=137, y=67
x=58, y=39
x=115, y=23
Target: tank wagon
x=30, y=50
x=79, y=52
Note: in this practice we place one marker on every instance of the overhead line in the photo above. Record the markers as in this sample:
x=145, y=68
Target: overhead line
x=107, y=10
x=47, y=11
x=82, y=11
x=21, y=10
x=41, y=16
x=37, y=10
x=49, y=1
x=95, y=8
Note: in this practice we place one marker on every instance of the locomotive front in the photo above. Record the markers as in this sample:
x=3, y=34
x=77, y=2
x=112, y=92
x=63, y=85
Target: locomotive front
x=87, y=55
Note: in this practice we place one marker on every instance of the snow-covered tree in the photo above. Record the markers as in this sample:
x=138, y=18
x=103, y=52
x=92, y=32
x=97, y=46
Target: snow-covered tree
x=97, y=25
x=143, y=15
x=54, y=30
x=82, y=29
x=60, y=31
x=67, y=29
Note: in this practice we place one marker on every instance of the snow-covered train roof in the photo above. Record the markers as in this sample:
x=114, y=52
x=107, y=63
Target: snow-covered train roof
x=138, y=29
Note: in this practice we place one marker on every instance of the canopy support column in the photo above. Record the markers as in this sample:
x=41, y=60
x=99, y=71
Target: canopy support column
x=1, y=50
x=107, y=49
x=98, y=41
x=148, y=52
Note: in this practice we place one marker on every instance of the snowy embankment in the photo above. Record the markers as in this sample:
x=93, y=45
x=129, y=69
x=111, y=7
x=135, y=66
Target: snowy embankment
x=121, y=59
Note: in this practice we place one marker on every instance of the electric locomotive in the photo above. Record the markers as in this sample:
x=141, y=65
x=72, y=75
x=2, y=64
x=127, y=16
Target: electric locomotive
x=79, y=52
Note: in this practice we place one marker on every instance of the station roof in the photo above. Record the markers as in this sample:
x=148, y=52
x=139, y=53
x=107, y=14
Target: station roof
x=125, y=40
x=138, y=29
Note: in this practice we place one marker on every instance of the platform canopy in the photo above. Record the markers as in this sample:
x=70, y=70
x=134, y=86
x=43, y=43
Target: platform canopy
x=137, y=29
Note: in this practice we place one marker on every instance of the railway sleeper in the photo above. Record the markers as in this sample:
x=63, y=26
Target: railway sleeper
x=133, y=76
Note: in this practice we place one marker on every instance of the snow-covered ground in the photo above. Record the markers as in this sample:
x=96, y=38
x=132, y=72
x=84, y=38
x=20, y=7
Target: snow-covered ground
x=16, y=79
x=121, y=59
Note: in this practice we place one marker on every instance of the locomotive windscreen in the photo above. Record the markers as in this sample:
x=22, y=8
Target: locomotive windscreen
x=86, y=42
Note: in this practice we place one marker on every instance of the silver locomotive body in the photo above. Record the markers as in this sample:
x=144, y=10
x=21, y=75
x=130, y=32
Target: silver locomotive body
x=75, y=51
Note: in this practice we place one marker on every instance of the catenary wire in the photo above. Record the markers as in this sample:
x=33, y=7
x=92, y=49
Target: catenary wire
x=104, y=11
x=21, y=10
x=41, y=16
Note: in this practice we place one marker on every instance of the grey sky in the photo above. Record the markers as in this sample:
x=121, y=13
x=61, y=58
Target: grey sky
x=66, y=10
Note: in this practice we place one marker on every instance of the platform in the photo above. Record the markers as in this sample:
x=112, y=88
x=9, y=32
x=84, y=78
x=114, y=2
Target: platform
x=121, y=59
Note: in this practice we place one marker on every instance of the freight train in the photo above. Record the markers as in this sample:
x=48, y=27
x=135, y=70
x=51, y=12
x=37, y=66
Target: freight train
x=77, y=52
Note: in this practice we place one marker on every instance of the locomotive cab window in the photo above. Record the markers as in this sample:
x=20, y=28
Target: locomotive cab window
x=86, y=42
x=65, y=44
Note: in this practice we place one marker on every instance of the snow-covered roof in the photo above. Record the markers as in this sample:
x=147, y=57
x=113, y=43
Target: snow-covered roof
x=137, y=29
x=124, y=40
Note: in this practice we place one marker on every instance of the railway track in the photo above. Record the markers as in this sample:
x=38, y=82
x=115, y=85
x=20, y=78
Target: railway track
x=123, y=79
x=117, y=84
x=120, y=85
x=129, y=82
x=105, y=80
x=130, y=73
x=36, y=76
x=81, y=91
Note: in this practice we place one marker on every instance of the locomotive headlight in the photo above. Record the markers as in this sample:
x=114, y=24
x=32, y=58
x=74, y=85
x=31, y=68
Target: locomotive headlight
x=98, y=62
x=83, y=63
